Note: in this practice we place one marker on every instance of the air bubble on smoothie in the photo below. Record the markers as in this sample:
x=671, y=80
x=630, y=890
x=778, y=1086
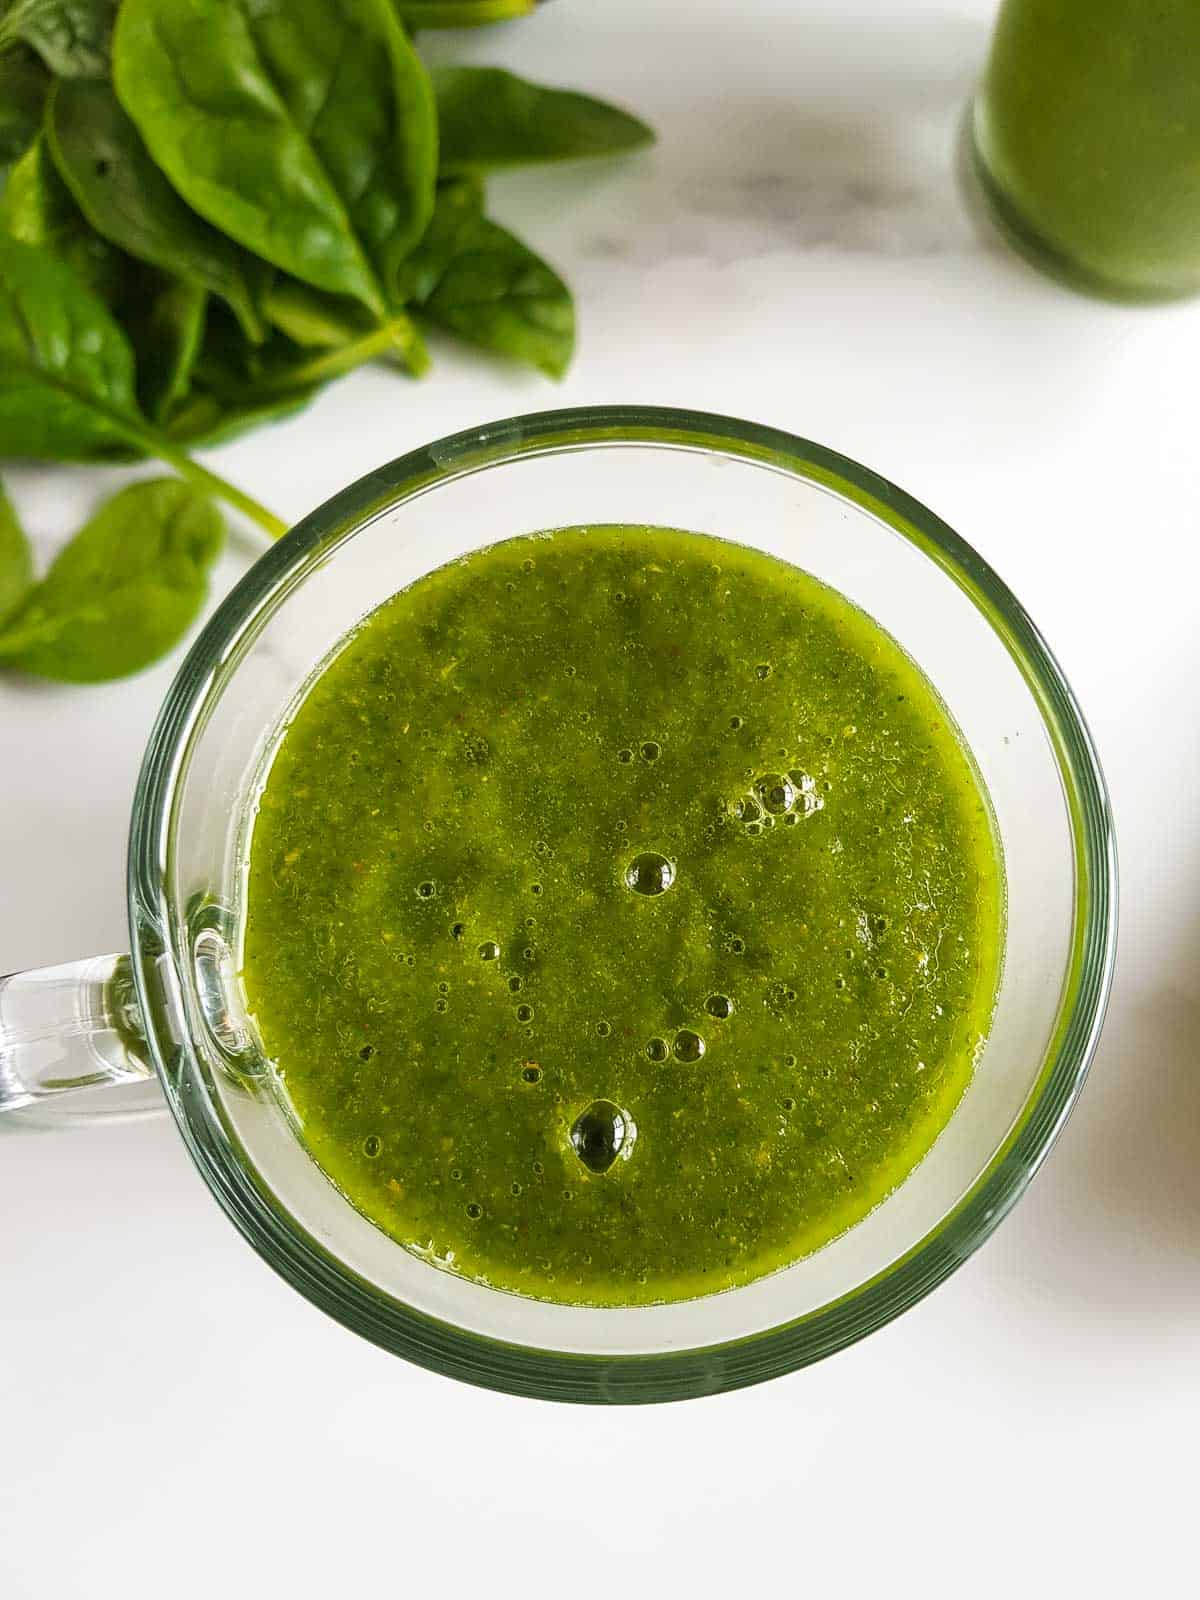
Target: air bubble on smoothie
x=747, y=809
x=489, y=950
x=624, y=757
x=524, y=1013
x=754, y=828
x=763, y=670
x=514, y=984
x=651, y=750
x=531, y=1072
x=372, y=1145
x=474, y=1211
x=604, y=1029
x=603, y=1134
x=426, y=890
x=658, y=1049
x=649, y=873
x=457, y=931
x=439, y=1005
x=776, y=793
x=689, y=1046
x=719, y=1005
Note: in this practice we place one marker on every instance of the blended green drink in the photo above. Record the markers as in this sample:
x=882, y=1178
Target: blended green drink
x=1087, y=129
x=624, y=916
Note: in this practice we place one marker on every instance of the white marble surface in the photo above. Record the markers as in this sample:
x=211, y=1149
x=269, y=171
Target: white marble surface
x=173, y=1419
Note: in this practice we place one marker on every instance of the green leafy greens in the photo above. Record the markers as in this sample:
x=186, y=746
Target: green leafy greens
x=209, y=210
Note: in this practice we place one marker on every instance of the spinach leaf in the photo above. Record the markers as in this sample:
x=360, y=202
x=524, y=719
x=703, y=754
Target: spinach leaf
x=474, y=278
x=166, y=325
x=66, y=368
x=206, y=419
x=37, y=207
x=491, y=118
x=460, y=13
x=305, y=129
x=16, y=559
x=124, y=591
x=71, y=36
x=24, y=84
x=124, y=196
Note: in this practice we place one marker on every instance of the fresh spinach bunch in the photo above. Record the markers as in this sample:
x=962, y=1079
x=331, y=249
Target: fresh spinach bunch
x=208, y=210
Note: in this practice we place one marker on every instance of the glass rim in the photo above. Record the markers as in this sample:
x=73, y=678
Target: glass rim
x=551, y=1374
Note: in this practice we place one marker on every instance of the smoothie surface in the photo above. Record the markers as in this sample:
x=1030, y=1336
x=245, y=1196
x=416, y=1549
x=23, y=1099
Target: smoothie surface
x=624, y=915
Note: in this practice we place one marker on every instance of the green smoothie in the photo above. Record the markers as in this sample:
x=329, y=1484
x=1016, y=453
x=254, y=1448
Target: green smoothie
x=1088, y=130
x=624, y=916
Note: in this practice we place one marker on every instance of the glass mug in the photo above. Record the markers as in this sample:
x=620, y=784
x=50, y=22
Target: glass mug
x=172, y=1012
x=1086, y=134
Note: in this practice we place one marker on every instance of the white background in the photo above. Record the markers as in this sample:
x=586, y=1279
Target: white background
x=174, y=1420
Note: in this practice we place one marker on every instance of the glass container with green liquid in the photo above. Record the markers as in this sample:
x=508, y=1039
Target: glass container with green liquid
x=1087, y=140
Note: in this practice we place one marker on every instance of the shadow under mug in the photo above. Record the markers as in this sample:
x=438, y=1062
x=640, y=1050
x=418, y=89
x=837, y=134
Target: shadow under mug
x=169, y=1019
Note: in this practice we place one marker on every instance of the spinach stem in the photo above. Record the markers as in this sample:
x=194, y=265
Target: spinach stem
x=219, y=487
x=393, y=334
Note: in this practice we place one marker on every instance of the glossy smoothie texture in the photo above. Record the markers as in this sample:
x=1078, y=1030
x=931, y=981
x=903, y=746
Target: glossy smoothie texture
x=624, y=915
x=1088, y=123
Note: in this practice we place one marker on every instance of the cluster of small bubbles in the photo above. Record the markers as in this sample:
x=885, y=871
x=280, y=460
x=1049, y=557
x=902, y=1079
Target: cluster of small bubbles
x=625, y=757
x=474, y=1211
x=457, y=931
x=689, y=1046
x=439, y=1005
x=372, y=1145
x=651, y=750
x=763, y=670
x=427, y=890
x=514, y=983
x=531, y=1073
x=367, y=1051
x=489, y=950
x=649, y=873
x=524, y=1013
x=604, y=1029
x=658, y=1049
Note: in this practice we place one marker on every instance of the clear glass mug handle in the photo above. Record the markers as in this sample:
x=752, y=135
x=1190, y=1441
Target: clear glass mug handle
x=68, y=1036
